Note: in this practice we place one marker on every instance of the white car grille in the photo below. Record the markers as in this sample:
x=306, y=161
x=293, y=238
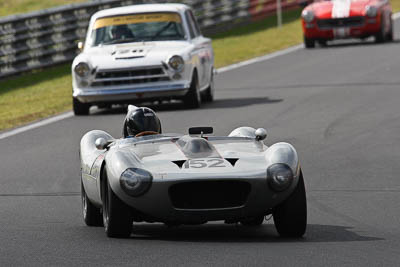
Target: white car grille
x=129, y=76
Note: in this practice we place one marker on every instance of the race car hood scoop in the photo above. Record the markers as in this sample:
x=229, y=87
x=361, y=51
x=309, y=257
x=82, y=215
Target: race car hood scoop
x=197, y=147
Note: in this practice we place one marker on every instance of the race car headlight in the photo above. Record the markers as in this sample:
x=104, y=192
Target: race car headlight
x=135, y=182
x=82, y=69
x=307, y=15
x=371, y=11
x=279, y=176
x=176, y=63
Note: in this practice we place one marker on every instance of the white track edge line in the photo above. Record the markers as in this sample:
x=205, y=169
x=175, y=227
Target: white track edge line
x=36, y=124
x=220, y=70
x=261, y=58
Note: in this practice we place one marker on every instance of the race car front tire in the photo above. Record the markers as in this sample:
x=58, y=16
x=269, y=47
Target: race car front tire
x=117, y=216
x=193, y=99
x=290, y=217
x=322, y=43
x=389, y=36
x=309, y=42
x=91, y=214
x=79, y=107
x=381, y=36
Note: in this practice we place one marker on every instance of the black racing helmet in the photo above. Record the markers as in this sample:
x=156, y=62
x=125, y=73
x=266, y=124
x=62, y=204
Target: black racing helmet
x=139, y=120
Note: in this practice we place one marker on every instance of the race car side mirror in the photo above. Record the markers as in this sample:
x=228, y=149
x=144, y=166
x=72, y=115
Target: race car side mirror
x=261, y=134
x=102, y=143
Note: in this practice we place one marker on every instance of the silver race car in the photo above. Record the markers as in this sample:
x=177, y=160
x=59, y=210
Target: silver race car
x=189, y=179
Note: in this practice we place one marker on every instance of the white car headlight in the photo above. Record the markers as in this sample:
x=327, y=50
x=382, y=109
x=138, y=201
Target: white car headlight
x=82, y=69
x=371, y=11
x=307, y=15
x=176, y=63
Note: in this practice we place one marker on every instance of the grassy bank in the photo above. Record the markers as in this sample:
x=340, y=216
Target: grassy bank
x=11, y=7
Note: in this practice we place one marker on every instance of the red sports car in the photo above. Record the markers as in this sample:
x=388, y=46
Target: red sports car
x=340, y=19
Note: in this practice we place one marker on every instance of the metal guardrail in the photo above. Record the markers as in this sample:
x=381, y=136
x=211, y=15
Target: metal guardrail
x=48, y=37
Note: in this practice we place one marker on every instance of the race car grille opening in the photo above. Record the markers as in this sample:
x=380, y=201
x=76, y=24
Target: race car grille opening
x=340, y=22
x=209, y=194
x=127, y=77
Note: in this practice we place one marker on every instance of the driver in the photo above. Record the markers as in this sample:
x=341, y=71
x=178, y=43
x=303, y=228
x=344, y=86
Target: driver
x=141, y=121
x=121, y=32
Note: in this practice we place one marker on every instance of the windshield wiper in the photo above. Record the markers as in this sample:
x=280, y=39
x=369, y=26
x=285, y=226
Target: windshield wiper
x=162, y=30
x=119, y=41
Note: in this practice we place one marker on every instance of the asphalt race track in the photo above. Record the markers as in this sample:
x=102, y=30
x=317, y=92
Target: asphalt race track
x=339, y=106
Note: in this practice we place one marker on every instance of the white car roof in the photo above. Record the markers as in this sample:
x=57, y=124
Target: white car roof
x=144, y=8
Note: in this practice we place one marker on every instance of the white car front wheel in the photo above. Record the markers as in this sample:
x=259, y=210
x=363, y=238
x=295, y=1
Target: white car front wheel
x=209, y=93
x=193, y=98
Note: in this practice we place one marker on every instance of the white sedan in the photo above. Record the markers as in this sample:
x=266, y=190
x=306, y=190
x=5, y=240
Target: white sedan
x=140, y=53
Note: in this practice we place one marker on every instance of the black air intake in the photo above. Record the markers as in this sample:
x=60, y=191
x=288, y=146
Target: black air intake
x=209, y=194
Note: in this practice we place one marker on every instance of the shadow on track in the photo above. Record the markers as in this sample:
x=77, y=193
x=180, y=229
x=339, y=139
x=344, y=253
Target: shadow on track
x=172, y=106
x=238, y=233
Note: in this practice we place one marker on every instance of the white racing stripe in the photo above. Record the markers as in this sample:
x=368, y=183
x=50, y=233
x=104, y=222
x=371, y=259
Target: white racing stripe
x=341, y=9
x=220, y=70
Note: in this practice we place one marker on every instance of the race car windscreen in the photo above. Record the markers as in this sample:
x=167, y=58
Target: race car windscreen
x=137, y=28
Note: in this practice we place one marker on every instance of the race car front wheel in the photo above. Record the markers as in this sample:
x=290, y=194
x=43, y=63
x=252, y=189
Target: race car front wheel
x=309, y=42
x=91, y=214
x=290, y=217
x=381, y=36
x=322, y=43
x=389, y=36
x=117, y=216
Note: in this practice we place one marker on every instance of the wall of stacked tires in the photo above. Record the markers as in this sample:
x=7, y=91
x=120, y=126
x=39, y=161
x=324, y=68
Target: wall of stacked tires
x=49, y=37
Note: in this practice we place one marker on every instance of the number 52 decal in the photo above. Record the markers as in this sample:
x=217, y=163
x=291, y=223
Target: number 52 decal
x=204, y=163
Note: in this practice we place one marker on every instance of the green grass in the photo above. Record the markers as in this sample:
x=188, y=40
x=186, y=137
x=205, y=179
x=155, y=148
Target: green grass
x=257, y=39
x=11, y=7
x=34, y=96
